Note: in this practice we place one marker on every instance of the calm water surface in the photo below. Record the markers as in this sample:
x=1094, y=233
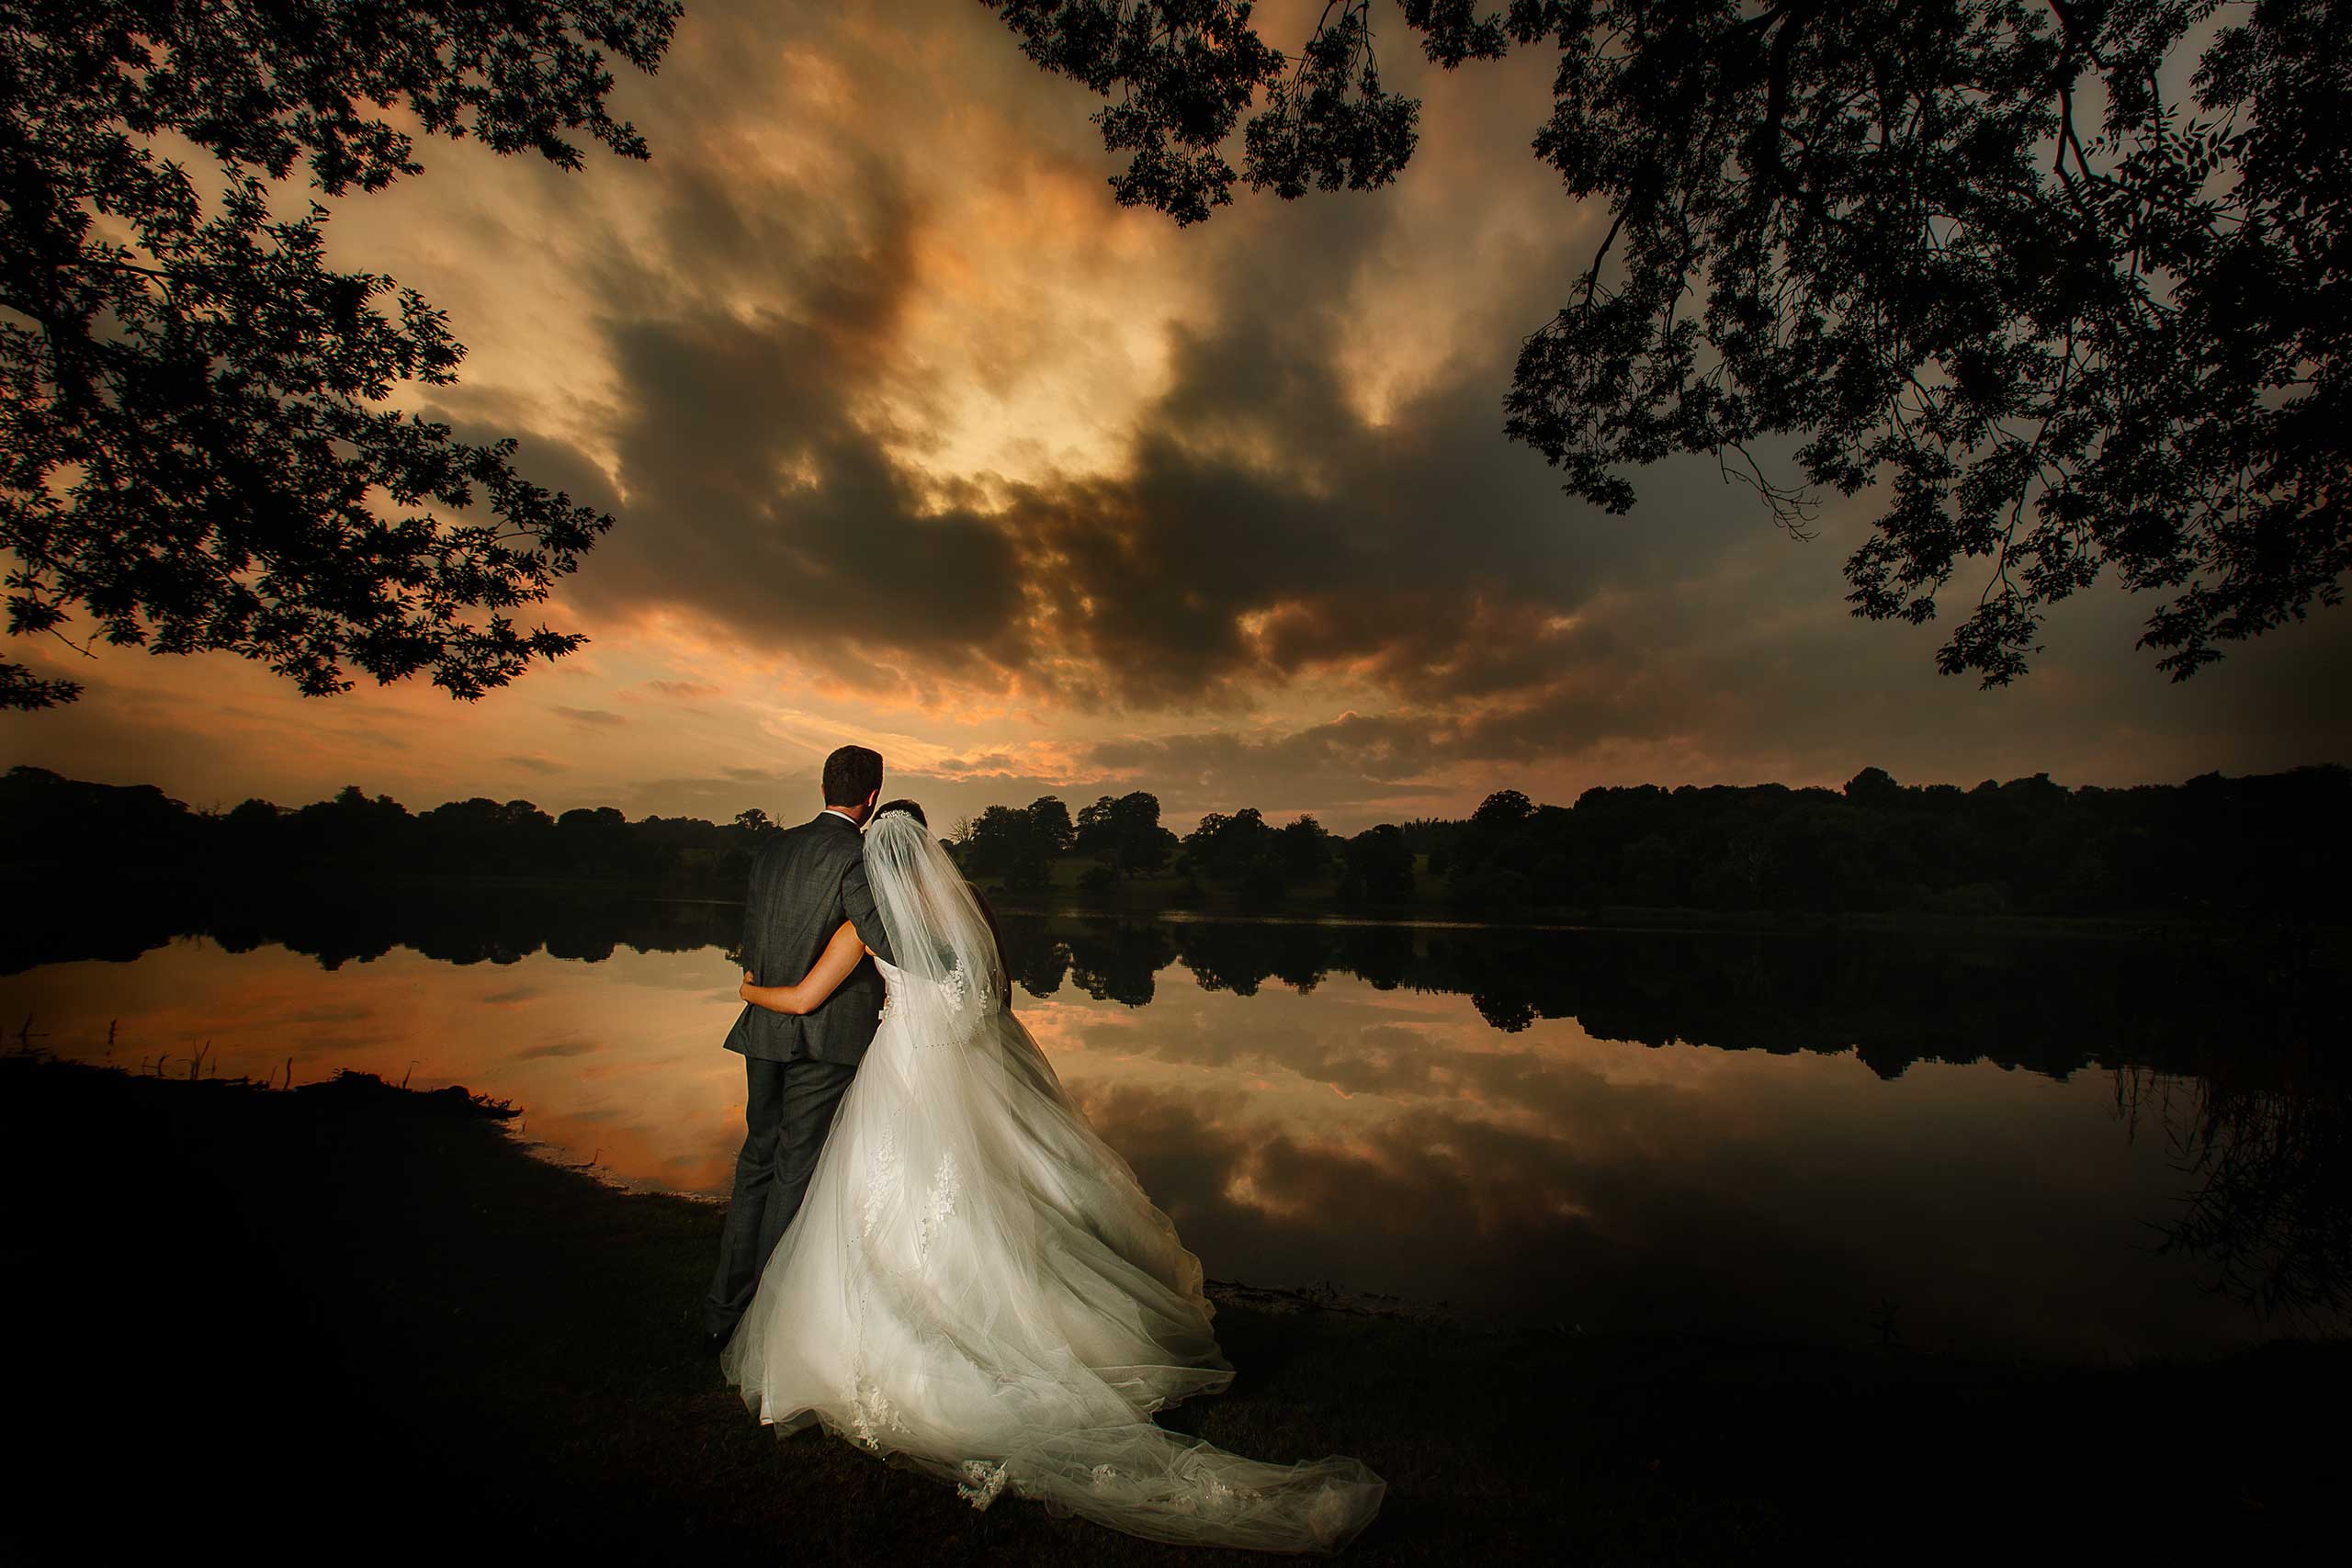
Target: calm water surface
x=1977, y=1145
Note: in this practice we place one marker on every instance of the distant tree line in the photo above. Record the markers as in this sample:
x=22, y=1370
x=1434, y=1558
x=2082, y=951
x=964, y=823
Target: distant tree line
x=2264, y=845
x=46, y=818
x=2260, y=844
x=1240, y=852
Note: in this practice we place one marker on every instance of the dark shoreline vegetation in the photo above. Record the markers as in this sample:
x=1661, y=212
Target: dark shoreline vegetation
x=2261, y=848
x=286, y=1316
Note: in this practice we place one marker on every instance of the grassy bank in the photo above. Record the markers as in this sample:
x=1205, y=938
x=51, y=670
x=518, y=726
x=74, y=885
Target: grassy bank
x=347, y=1321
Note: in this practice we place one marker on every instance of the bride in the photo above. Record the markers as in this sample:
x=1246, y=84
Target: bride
x=975, y=1286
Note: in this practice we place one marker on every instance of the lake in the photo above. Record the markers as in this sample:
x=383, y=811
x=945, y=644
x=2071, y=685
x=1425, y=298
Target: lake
x=2070, y=1146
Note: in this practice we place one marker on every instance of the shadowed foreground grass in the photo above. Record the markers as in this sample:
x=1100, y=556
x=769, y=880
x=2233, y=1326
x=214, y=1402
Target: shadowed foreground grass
x=349, y=1322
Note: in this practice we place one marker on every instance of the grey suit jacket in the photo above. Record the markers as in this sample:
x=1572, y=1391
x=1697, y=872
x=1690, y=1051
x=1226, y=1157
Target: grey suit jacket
x=803, y=885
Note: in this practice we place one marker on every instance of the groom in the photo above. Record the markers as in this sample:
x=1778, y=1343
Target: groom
x=804, y=884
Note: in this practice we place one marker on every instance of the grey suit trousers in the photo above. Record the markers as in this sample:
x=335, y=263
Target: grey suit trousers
x=787, y=1110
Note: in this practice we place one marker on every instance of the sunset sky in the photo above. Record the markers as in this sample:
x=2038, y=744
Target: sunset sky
x=915, y=439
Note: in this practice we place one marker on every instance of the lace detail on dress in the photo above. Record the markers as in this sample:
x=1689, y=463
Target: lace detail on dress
x=975, y=992
x=945, y=1189
x=1211, y=1495
x=982, y=1481
x=871, y=1412
x=881, y=1176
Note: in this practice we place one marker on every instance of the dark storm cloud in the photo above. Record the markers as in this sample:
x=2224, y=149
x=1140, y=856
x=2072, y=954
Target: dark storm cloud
x=1260, y=528
x=1425, y=554
x=761, y=495
x=1338, y=765
x=1428, y=553
x=757, y=500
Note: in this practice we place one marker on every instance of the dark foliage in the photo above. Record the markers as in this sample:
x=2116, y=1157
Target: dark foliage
x=48, y=823
x=1016, y=845
x=1892, y=230
x=2260, y=847
x=195, y=450
x=1376, y=867
x=1124, y=834
x=1244, y=854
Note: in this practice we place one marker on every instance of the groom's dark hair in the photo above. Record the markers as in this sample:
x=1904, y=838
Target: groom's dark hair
x=850, y=774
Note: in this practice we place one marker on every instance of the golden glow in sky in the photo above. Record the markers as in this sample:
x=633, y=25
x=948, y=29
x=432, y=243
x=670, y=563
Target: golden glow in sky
x=915, y=438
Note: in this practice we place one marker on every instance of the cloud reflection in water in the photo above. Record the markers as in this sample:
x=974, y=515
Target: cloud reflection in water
x=1435, y=1115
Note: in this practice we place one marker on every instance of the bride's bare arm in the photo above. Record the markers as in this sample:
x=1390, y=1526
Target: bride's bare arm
x=832, y=966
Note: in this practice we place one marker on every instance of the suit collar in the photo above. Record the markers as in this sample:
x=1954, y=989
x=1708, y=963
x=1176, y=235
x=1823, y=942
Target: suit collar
x=830, y=815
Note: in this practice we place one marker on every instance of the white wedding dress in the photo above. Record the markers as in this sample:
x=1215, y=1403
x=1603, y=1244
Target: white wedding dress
x=974, y=1284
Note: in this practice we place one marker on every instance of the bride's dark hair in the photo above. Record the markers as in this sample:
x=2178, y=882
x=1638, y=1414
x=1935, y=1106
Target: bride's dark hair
x=909, y=806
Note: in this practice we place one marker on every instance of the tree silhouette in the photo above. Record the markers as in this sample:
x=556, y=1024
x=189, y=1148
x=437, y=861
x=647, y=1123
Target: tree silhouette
x=1377, y=867
x=1226, y=847
x=1125, y=834
x=1890, y=227
x=1305, y=848
x=2251, y=851
x=1016, y=843
x=192, y=446
x=1049, y=820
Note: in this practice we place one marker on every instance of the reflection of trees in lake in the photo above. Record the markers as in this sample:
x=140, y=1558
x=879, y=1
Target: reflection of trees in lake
x=1118, y=965
x=2269, y=1204
x=336, y=923
x=2260, y=1124
x=2055, y=1007
x=1500, y=1206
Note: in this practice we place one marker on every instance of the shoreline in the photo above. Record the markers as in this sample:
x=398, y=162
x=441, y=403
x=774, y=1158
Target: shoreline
x=280, y=1312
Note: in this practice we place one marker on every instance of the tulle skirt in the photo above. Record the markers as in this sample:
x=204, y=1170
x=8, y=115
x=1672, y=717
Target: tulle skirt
x=977, y=1286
